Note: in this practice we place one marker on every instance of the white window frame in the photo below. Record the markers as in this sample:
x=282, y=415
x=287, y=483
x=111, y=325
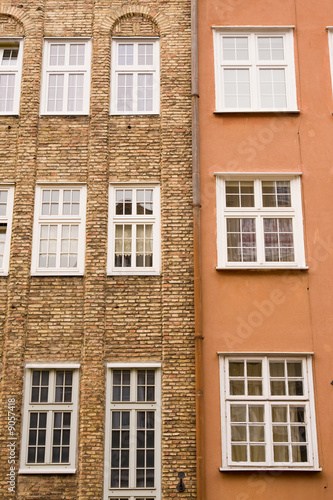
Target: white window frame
x=135, y=70
x=66, y=70
x=134, y=220
x=253, y=65
x=7, y=219
x=267, y=401
x=258, y=212
x=10, y=43
x=59, y=220
x=330, y=44
x=133, y=493
x=72, y=407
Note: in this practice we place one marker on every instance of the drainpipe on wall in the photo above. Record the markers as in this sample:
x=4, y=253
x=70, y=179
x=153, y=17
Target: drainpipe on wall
x=196, y=248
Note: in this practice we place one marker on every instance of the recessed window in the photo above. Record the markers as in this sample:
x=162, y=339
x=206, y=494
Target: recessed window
x=50, y=420
x=254, y=70
x=268, y=416
x=6, y=213
x=59, y=230
x=133, y=433
x=11, y=51
x=134, y=229
x=66, y=77
x=135, y=76
x=259, y=221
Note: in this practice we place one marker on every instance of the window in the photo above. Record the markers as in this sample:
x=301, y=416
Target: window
x=259, y=221
x=6, y=212
x=66, y=77
x=59, y=230
x=135, y=76
x=11, y=51
x=133, y=432
x=134, y=231
x=268, y=417
x=254, y=70
x=50, y=419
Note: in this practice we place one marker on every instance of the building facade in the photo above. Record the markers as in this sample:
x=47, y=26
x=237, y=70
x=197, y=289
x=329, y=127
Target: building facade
x=265, y=118
x=96, y=250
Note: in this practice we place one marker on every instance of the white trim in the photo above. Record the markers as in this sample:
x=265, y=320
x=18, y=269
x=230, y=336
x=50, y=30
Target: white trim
x=134, y=70
x=253, y=175
x=258, y=212
x=266, y=400
x=66, y=70
x=250, y=28
x=49, y=408
x=15, y=70
x=7, y=220
x=133, y=220
x=264, y=353
x=254, y=68
x=73, y=366
x=330, y=46
x=59, y=220
x=134, y=365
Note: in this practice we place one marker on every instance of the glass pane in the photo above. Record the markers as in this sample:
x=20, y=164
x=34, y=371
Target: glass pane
x=238, y=413
x=257, y=454
x=280, y=434
x=238, y=433
x=237, y=387
x=257, y=433
x=281, y=454
x=239, y=453
x=256, y=413
x=236, y=368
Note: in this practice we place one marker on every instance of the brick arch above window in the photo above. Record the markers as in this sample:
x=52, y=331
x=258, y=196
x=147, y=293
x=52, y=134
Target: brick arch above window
x=28, y=24
x=10, y=27
x=135, y=25
x=135, y=12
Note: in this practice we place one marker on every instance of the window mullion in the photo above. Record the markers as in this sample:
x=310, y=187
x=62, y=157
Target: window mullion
x=132, y=449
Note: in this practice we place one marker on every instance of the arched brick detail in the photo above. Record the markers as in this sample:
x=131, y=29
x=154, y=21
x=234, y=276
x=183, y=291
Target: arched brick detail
x=19, y=15
x=150, y=13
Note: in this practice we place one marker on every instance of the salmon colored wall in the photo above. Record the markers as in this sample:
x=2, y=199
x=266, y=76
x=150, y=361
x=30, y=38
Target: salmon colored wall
x=295, y=307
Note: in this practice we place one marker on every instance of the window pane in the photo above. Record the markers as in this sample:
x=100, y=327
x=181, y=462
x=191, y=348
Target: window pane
x=237, y=88
x=241, y=240
x=272, y=88
x=235, y=48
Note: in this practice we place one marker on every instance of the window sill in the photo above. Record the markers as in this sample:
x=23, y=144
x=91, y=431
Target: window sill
x=257, y=112
x=47, y=470
x=264, y=268
x=269, y=469
x=133, y=273
x=155, y=113
x=56, y=273
x=66, y=115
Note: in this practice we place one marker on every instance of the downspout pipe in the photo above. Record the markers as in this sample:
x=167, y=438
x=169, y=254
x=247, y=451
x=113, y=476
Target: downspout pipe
x=196, y=249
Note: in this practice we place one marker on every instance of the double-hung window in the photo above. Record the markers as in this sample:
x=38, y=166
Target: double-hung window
x=268, y=415
x=11, y=51
x=59, y=230
x=66, y=77
x=6, y=213
x=254, y=69
x=259, y=221
x=134, y=229
x=50, y=419
x=133, y=432
x=135, y=79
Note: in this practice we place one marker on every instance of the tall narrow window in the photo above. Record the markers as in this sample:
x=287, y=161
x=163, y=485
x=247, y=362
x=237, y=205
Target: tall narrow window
x=50, y=419
x=6, y=213
x=11, y=51
x=259, y=221
x=254, y=69
x=133, y=433
x=59, y=230
x=66, y=76
x=268, y=416
x=134, y=229
x=135, y=76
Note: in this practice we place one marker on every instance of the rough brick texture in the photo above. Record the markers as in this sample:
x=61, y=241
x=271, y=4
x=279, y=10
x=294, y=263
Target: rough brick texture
x=96, y=319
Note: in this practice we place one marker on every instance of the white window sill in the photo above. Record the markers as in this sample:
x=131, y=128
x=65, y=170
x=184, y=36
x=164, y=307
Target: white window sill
x=47, y=470
x=263, y=268
x=65, y=114
x=256, y=111
x=267, y=468
x=133, y=273
x=57, y=273
x=153, y=113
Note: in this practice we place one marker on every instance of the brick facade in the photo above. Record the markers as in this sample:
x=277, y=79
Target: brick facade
x=96, y=319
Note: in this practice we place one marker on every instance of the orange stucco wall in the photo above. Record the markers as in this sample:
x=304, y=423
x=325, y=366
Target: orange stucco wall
x=295, y=307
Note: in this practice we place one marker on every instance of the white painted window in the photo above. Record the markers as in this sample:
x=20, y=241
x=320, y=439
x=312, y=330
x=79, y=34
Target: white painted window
x=6, y=214
x=268, y=418
x=254, y=69
x=11, y=54
x=133, y=432
x=135, y=78
x=259, y=221
x=66, y=77
x=50, y=419
x=134, y=229
x=59, y=230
